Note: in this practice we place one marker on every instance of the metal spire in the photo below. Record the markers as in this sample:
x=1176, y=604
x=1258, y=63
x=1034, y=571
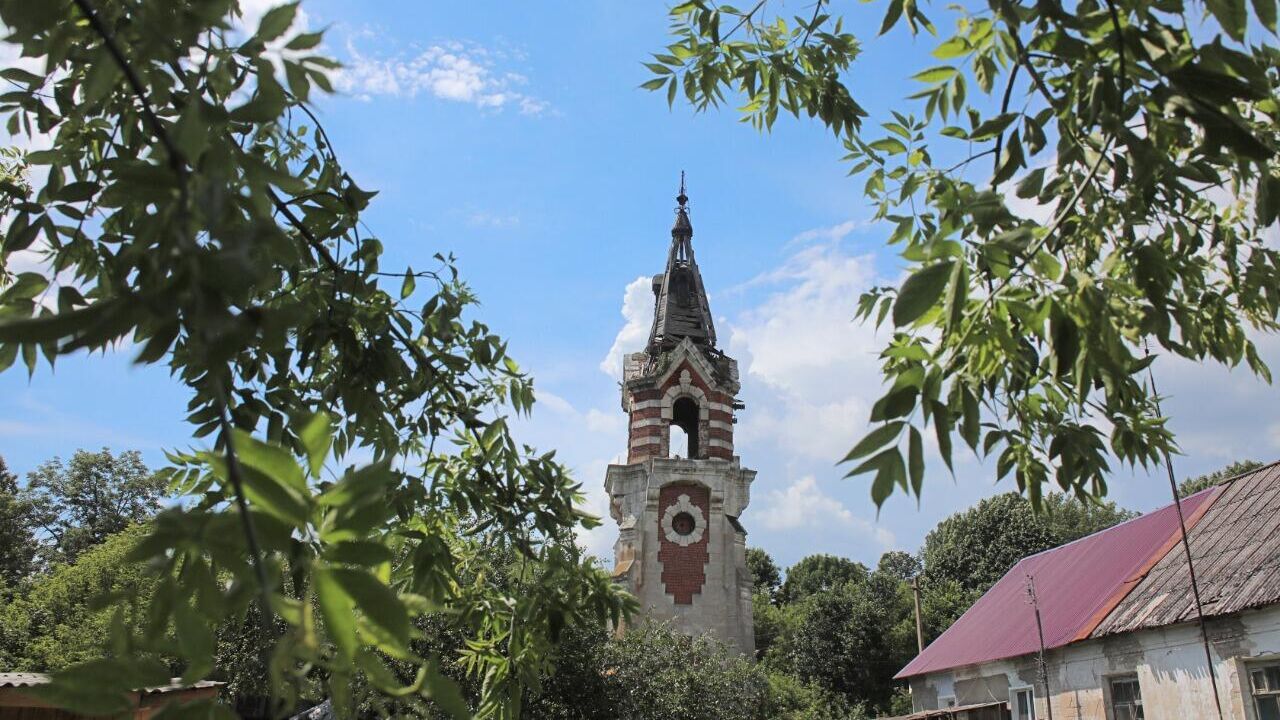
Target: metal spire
x=682, y=228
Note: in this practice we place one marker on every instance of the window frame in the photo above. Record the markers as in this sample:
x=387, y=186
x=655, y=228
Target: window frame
x=1014, y=711
x=1271, y=692
x=1112, y=680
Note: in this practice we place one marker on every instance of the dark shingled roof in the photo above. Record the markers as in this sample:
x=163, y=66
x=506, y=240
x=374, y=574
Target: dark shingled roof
x=1236, y=549
x=680, y=302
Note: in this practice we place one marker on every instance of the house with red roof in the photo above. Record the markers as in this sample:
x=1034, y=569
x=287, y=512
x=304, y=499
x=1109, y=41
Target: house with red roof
x=1122, y=639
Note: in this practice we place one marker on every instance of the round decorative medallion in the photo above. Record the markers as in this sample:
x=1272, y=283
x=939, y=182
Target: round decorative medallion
x=683, y=523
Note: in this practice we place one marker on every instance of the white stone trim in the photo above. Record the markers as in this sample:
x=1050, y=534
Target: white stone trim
x=647, y=422
x=721, y=407
x=645, y=405
x=720, y=425
x=675, y=392
x=683, y=504
x=647, y=440
x=687, y=350
x=717, y=442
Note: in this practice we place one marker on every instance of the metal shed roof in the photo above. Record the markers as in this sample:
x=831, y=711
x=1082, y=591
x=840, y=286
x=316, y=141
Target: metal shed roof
x=1236, y=549
x=11, y=680
x=1077, y=584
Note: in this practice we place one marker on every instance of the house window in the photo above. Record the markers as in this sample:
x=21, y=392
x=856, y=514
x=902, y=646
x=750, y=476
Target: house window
x=1023, y=702
x=1266, y=690
x=1126, y=699
x=947, y=701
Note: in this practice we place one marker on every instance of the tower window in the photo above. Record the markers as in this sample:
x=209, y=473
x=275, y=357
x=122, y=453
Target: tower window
x=684, y=414
x=682, y=523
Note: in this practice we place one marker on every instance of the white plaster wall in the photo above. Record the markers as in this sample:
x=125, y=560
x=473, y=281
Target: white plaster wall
x=1169, y=663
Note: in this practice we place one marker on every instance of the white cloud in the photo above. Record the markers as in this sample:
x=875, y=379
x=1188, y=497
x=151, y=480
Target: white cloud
x=492, y=220
x=448, y=71
x=803, y=505
x=812, y=372
x=612, y=423
x=637, y=312
x=834, y=233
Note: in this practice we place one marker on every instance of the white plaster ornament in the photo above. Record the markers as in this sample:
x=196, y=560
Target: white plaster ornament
x=683, y=505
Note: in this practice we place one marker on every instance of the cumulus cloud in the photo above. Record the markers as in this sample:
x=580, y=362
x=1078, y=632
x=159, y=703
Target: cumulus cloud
x=450, y=71
x=813, y=371
x=637, y=315
x=803, y=505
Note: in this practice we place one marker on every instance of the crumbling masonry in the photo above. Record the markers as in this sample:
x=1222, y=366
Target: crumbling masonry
x=681, y=549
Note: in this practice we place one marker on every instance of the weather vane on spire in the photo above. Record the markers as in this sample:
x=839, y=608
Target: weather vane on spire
x=682, y=198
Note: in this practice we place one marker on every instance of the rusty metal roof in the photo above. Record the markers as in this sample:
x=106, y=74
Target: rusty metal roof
x=1236, y=549
x=1077, y=584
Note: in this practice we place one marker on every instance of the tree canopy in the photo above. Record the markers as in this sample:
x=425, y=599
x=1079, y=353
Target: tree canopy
x=1193, y=485
x=192, y=210
x=60, y=620
x=1070, y=186
x=816, y=573
x=96, y=495
x=766, y=577
x=18, y=545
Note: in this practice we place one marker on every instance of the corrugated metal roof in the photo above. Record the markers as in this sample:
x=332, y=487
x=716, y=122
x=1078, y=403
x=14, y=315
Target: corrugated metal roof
x=33, y=679
x=22, y=679
x=1236, y=548
x=1077, y=585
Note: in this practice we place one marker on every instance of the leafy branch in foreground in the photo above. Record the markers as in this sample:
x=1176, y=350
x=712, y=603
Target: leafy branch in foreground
x=194, y=208
x=1130, y=188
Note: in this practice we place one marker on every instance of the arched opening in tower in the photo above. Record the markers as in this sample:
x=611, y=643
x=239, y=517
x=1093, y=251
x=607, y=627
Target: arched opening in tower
x=684, y=415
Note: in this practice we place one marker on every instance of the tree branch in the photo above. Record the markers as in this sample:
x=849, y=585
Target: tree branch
x=176, y=161
x=1067, y=209
x=1004, y=108
x=1115, y=20
x=817, y=8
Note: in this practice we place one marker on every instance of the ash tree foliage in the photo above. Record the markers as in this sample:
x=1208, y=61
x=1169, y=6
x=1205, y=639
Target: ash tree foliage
x=191, y=210
x=1069, y=184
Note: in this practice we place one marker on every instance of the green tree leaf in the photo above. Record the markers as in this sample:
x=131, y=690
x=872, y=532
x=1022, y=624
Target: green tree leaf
x=920, y=292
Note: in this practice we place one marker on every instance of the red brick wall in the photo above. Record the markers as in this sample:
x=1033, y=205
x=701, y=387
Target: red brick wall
x=683, y=568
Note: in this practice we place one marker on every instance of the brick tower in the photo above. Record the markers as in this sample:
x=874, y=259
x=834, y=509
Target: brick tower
x=680, y=548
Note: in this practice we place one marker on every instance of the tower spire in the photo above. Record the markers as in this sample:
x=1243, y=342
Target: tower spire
x=680, y=302
x=682, y=227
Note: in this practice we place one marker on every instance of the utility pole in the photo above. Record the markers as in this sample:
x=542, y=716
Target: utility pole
x=915, y=590
x=1044, y=668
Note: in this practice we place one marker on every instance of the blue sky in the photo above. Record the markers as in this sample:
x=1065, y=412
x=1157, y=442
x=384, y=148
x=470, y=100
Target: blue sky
x=515, y=137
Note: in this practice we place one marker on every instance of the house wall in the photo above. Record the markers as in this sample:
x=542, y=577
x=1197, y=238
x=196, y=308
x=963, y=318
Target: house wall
x=1169, y=663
